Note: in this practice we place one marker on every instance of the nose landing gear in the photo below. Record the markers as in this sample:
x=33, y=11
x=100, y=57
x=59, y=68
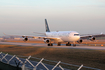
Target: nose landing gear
x=59, y=44
x=74, y=45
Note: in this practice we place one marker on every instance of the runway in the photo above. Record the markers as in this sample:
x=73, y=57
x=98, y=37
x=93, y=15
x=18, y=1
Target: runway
x=81, y=46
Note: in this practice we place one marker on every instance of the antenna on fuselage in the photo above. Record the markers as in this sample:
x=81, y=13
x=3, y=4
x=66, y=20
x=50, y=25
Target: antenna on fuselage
x=46, y=25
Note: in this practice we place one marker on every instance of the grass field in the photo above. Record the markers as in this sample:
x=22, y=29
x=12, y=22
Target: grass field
x=91, y=58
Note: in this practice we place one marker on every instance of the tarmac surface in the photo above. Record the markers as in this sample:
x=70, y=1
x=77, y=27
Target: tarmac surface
x=79, y=46
x=40, y=67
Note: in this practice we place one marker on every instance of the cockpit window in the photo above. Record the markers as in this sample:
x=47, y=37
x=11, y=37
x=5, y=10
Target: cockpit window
x=76, y=34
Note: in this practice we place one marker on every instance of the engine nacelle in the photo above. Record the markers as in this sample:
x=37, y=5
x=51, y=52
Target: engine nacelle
x=47, y=41
x=92, y=38
x=80, y=41
x=25, y=39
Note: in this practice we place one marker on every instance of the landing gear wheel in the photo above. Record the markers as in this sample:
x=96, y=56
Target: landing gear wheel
x=58, y=44
x=68, y=44
x=50, y=44
x=74, y=45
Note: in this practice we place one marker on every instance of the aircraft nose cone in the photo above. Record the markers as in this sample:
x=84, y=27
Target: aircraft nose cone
x=77, y=37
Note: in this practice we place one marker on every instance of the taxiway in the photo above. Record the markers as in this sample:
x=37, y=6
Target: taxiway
x=81, y=46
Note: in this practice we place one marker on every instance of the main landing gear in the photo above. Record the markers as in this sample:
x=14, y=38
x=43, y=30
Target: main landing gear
x=59, y=44
x=50, y=44
x=69, y=44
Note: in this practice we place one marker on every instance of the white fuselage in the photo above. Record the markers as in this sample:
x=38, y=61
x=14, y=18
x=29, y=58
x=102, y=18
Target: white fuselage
x=65, y=36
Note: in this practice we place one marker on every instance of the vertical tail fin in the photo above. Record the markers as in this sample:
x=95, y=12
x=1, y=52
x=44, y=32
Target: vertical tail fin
x=46, y=25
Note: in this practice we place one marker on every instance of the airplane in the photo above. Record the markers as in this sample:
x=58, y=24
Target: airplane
x=59, y=37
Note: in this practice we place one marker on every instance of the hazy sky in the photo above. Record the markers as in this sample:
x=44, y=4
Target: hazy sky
x=25, y=16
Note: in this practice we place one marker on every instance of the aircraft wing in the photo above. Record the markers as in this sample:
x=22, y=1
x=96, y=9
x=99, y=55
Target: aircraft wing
x=43, y=37
x=92, y=35
x=36, y=37
x=28, y=36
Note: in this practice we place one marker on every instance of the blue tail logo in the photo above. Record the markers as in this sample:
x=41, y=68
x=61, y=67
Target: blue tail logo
x=46, y=25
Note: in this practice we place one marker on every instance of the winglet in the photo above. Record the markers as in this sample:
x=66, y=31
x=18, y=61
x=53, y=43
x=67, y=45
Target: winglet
x=46, y=25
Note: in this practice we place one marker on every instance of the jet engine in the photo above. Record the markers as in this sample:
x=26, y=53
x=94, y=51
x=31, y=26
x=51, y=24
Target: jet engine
x=25, y=39
x=92, y=38
x=80, y=41
x=46, y=40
